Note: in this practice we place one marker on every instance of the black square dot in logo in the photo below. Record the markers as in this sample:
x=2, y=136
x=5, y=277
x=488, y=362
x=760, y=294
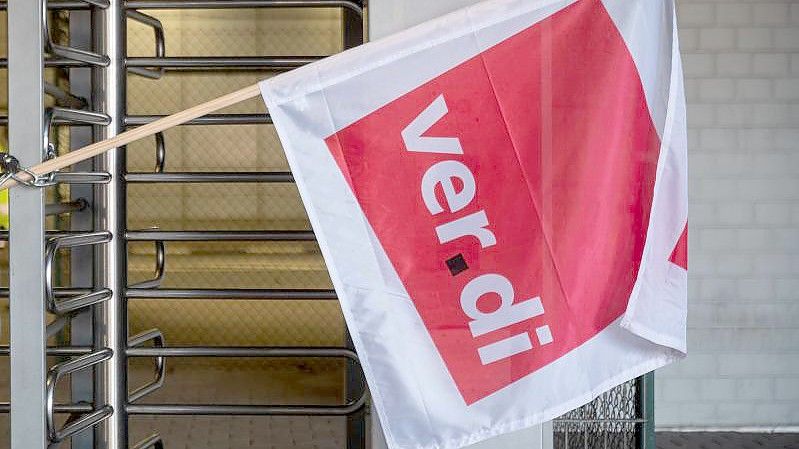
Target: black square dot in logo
x=457, y=265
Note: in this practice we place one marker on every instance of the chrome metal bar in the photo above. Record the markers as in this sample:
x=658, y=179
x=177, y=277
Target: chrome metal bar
x=160, y=269
x=60, y=351
x=26, y=251
x=74, y=54
x=254, y=352
x=70, y=4
x=66, y=207
x=210, y=119
x=77, y=116
x=81, y=260
x=56, y=373
x=64, y=98
x=232, y=294
x=56, y=122
x=210, y=177
x=59, y=292
x=229, y=4
x=219, y=236
x=153, y=441
x=160, y=44
x=48, y=234
x=51, y=62
x=83, y=422
x=223, y=62
x=74, y=304
x=110, y=319
x=56, y=326
x=67, y=115
x=5, y=407
x=81, y=178
x=160, y=153
x=246, y=410
x=78, y=302
x=157, y=338
x=80, y=239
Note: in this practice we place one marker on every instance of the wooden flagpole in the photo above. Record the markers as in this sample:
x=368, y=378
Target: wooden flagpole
x=178, y=118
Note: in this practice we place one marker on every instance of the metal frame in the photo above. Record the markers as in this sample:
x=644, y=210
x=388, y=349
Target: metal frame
x=26, y=251
x=96, y=305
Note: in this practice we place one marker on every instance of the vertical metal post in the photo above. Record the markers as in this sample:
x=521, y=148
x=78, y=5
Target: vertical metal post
x=646, y=391
x=82, y=258
x=356, y=423
x=26, y=261
x=353, y=26
x=353, y=33
x=110, y=320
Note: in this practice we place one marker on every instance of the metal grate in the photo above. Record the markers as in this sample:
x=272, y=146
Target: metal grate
x=619, y=419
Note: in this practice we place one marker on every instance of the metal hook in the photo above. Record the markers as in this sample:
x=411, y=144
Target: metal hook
x=71, y=53
x=160, y=268
x=157, y=337
x=160, y=43
x=160, y=153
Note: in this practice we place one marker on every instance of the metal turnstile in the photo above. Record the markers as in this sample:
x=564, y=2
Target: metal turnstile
x=69, y=289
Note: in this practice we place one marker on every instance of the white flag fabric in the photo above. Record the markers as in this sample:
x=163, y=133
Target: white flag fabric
x=500, y=196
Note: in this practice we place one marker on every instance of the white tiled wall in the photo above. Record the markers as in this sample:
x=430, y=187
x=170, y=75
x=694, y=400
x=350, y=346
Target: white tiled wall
x=741, y=61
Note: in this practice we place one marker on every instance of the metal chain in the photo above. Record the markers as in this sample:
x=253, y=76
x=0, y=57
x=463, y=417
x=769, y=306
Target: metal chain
x=12, y=170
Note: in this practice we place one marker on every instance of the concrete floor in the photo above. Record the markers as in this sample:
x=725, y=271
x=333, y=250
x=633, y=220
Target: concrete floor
x=726, y=440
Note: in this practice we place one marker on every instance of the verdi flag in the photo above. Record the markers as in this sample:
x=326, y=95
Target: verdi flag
x=500, y=196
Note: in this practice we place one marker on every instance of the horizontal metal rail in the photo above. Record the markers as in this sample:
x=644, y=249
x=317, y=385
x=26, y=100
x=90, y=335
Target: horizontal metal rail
x=210, y=4
x=48, y=234
x=81, y=177
x=234, y=294
x=237, y=351
x=59, y=292
x=66, y=207
x=59, y=351
x=210, y=177
x=56, y=121
x=51, y=62
x=270, y=63
x=77, y=116
x=245, y=410
x=5, y=407
x=230, y=4
x=220, y=236
x=210, y=119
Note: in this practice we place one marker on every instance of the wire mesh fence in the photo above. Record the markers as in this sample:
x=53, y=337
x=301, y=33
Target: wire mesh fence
x=618, y=419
